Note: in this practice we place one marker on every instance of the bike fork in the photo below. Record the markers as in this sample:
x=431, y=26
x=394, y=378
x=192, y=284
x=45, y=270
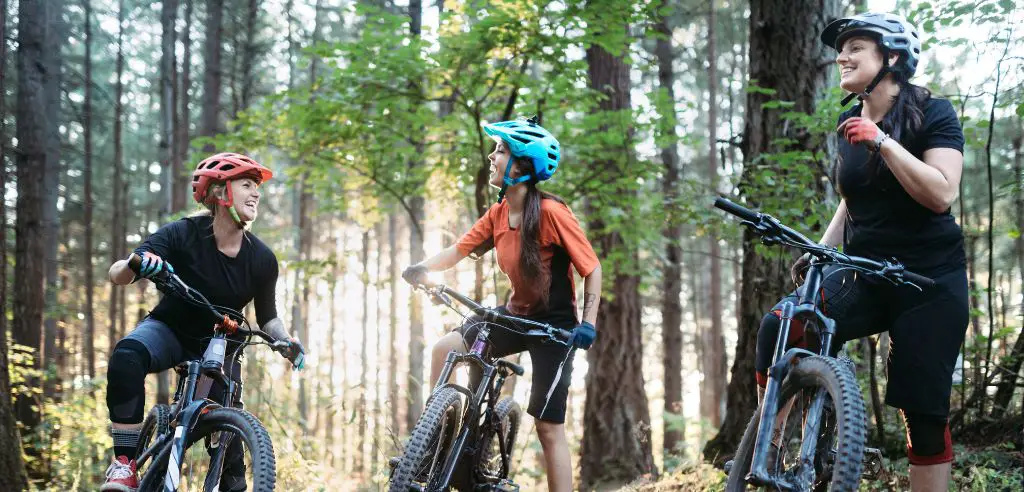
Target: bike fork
x=173, y=477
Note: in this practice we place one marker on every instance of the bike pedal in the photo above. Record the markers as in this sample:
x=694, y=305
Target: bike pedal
x=874, y=467
x=505, y=486
x=394, y=461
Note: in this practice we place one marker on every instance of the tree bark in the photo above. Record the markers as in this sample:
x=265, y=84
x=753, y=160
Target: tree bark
x=416, y=255
x=713, y=346
x=32, y=127
x=785, y=55
x=168, y=16
x=1008, y=379
x=393, y=275
x=363, y=356
x=210, y=124
x=615, y=416
x=51, y=188
x=12, y=468
x=672, y=280
x=182, y=186
x=117, y=228
x=90, y=325
x=249, y=50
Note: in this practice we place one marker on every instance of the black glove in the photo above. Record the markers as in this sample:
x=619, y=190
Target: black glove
x=415, y=275
x=799, y=268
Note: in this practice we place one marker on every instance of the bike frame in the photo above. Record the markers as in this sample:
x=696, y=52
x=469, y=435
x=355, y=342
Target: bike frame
x=485, y=392
x=783, y=360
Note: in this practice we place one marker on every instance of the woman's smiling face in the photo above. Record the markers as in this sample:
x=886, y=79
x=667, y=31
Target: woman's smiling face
x=499, y=159
x=859, y=61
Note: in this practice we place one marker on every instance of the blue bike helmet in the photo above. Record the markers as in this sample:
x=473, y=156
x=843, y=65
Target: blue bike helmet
x=526, y=140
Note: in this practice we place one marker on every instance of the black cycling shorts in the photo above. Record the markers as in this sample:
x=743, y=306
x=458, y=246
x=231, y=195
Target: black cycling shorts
x=549, y=391
x=926, y=328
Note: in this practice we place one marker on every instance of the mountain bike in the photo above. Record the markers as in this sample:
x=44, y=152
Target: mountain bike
x=819, y=442
x=168, y=457
x=471, y=448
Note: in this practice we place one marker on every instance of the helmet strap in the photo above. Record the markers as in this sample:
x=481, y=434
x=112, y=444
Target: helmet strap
x=229, y=204
x=874, y=82
x=507, y=180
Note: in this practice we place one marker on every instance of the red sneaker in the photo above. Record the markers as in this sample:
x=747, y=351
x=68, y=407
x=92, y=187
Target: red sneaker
x=121, y=476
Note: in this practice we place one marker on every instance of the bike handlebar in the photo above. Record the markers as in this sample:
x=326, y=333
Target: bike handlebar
x=169, y=283
x=772, y=231
x=440, y=294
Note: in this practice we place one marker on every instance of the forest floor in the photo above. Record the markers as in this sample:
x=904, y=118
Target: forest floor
x=989, y=458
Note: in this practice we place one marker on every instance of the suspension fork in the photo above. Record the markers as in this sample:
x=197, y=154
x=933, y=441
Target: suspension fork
x=469, y=423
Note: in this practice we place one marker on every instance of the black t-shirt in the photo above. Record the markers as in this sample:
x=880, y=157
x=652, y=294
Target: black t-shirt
x=883, y=221
x=189, y=246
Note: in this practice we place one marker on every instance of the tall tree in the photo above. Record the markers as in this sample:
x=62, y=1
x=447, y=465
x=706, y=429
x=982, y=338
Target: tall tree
x=1008, y=378
x=364, y=359
x=90, y=326
x=616, y=415
x=210, y=119
x=12, y=468
x=180, y=176
x=30, y=229
x=393, y=274
x=51, y=189
x=168, y=75
x=416, y=255
x=118, y=224
x=713, y=346
x=672, y=280
x=786, y=57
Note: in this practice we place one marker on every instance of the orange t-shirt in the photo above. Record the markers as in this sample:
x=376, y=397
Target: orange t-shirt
x=563, y=246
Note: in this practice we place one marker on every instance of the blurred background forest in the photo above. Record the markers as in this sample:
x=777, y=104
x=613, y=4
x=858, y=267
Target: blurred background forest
x=369, y=113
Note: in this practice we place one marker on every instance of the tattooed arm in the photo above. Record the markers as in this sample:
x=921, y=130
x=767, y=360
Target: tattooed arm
x=592, y=295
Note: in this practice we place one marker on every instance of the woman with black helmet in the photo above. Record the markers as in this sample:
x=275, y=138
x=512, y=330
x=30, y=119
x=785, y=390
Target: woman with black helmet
x=539, y=243
x=899, y=169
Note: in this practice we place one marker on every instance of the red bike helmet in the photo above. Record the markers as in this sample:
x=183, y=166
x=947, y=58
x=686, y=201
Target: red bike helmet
x=225, y=167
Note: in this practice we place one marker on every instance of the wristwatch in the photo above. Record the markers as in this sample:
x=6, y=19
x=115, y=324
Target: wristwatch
x=879, y=139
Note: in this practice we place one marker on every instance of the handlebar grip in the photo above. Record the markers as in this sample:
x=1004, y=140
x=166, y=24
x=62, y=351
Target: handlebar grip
x=565, y=335
x=920, y=280
x=737, y=210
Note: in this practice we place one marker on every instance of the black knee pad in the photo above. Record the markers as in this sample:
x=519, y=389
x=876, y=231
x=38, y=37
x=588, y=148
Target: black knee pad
x=928, y=439
x=126, y=382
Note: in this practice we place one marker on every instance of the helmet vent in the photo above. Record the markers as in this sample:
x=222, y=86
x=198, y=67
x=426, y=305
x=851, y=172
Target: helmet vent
x=532, y=134
x=520, y=139
x=227, y=167
x=552, y=157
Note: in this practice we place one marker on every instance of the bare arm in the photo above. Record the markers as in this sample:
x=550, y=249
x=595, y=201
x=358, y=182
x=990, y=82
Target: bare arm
x=933, y=182
x=120, y=274
x=834, y=232
x=592, y=295
x=444, y=260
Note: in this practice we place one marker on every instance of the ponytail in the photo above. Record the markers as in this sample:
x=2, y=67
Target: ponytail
x=904, y=119
x=529, y=235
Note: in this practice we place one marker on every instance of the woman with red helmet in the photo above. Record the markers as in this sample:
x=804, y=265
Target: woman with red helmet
x=215, y=253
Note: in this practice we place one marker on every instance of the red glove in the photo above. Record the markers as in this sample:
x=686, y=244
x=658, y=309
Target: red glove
x=859, y=130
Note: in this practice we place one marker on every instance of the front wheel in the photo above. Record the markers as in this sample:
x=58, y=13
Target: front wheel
x=838, y=445
x=228, y=450
x=430, y=442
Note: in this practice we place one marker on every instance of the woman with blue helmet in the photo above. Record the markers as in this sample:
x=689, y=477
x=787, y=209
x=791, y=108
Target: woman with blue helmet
x=538, y=242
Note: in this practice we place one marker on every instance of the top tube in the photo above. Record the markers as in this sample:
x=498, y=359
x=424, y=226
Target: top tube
x=442, y=293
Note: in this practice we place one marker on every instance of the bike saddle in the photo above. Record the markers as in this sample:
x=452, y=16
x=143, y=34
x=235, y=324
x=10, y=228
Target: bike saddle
x=515, y=368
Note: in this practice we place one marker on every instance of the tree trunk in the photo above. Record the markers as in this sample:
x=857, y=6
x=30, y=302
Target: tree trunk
x=416, y=255
x=876, y=400
x=615, y=415
x=1008, y=379
x=90, y=326
x=51, y=190
x=713, y=348
x=12, y=469
x=32, y=127
x=363, y=356
x=332, y=348
x=785, y=55
x=210, y=124
x=117, y=228
x=182, y=187
x=300, y=299
x=249, y=50
x=393, y=275
x=672, y=280
x=168, y=16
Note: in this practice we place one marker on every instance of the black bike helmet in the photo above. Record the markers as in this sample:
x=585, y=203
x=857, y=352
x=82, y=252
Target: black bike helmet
x=893, y=33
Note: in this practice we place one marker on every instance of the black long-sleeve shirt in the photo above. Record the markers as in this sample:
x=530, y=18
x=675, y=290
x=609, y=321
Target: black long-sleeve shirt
x=189, y=246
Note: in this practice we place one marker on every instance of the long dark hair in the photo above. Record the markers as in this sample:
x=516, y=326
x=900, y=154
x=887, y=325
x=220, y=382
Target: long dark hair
x=904, y=119
x=529, y=231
